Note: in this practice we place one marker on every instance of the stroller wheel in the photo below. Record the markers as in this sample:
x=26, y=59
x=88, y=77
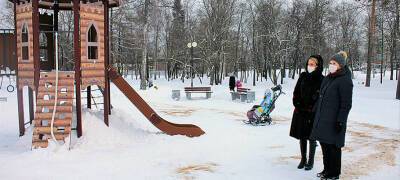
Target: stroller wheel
x=267, y=120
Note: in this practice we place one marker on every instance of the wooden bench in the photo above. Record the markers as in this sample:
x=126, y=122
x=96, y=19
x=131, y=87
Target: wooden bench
x=244, y=94
x=190, y=90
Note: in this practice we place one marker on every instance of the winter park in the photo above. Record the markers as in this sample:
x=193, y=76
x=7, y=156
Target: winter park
x=200, y=89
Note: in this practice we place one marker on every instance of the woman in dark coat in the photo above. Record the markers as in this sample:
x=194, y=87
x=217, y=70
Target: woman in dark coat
x=331, y=114
x=232, y=83
x=305, y=95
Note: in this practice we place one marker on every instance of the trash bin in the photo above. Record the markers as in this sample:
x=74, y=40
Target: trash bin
x=234, y=95
x=176, y=95
x=243, y=97
x=251, y=96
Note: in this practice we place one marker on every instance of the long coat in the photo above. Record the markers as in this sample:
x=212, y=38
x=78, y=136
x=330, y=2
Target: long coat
x=232, y=83
x=333, y=107
x=305, y=96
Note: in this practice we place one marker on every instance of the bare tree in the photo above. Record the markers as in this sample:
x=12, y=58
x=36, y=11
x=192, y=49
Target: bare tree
x=394, y=38
x=371, y=41
x=143, y=75
x=218, y=16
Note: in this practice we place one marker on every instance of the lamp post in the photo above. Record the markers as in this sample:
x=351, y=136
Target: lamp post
x=191, y=45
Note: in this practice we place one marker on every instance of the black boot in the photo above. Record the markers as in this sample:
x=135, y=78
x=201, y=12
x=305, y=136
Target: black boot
x=311, y=155
x=330, y=178
x=321, y=174
x=303, y=150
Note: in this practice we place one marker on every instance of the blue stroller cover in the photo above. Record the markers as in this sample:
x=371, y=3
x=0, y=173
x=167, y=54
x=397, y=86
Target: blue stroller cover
x=260, y=114
x=264, y=106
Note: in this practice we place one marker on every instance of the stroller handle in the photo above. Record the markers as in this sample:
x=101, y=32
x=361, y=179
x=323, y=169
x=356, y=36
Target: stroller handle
x=277, y=88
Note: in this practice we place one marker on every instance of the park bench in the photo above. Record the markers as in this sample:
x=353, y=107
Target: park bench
x=244, y=94
x=190, y=90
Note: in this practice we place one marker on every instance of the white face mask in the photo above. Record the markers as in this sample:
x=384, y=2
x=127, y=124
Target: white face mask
x=311, y=69
x=332, y=68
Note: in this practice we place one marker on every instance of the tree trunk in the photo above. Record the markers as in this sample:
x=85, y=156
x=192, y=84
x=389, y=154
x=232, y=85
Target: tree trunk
x=395, y=32
x=371, y=41
x=155, y=56
x=283, y=71
x=143, y=76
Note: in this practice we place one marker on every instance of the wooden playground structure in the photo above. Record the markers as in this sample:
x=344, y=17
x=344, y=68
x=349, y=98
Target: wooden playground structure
x=57, y=92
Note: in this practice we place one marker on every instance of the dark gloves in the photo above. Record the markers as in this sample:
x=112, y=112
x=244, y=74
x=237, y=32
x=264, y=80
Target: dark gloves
x=339, y=126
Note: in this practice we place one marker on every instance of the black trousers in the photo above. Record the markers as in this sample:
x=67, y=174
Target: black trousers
x=332, y=157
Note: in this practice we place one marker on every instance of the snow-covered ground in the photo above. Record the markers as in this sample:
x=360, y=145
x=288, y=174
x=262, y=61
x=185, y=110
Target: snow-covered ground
x=132, y=148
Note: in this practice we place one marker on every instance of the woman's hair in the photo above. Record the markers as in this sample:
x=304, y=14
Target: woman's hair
x=313, y=59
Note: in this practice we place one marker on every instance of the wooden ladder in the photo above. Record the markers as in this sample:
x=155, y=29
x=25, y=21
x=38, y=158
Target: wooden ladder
x=44, y=108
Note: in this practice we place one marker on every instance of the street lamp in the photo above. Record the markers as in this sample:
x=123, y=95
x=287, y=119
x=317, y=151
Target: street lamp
x=191, y=45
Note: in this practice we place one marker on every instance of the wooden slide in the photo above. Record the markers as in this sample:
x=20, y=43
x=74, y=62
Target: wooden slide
x=163, y=125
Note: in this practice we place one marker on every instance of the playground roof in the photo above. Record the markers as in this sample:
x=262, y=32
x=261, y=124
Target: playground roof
x=68, y=4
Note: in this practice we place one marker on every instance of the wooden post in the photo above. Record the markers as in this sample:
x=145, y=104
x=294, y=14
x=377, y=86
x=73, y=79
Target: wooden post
x=108, y=57
x=55, y=15
x=107, y=80
x=77, y=56
x=31, y=112
x=398, y=87
x=89, y=96
x=55, y=29
x=19, y=91
x=35, y=24
x=21, y=111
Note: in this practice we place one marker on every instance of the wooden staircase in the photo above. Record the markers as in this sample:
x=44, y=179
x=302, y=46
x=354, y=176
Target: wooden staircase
x=44, y=108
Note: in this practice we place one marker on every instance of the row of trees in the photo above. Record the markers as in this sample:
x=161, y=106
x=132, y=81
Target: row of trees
x=257, y=40
x=265, y=37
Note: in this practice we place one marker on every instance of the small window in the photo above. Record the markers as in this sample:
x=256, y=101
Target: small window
x=92, y=43
x=24, y=33
x=92, y=52
x=92, y=35
x=25, y=53
x=25, y=43
x=43, y=47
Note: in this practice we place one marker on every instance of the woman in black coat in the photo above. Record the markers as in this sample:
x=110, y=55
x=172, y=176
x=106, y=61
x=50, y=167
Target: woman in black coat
x=232, y=83
x=331, y=114
x=305, y=95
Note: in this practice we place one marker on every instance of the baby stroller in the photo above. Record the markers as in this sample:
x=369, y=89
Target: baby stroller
x=259, y=115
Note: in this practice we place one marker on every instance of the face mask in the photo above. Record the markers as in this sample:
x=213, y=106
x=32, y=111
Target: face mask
x=332, y=68
x=310, y=69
